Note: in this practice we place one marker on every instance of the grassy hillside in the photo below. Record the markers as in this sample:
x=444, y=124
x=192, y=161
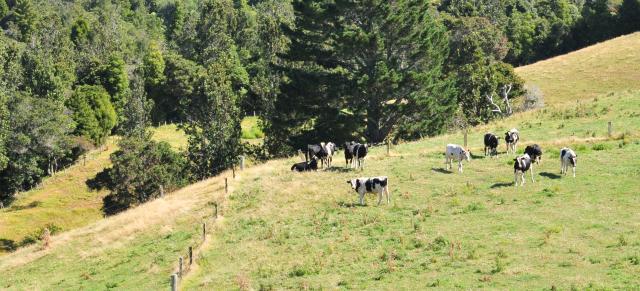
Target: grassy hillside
x=64, y=202
x=303, y=230
x=447, y=230
x=586, y=73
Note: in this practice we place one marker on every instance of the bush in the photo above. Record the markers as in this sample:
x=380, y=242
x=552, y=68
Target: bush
x=140, y=168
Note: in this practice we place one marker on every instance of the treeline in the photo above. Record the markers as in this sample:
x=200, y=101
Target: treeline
x=532, y=30
x=73, y=73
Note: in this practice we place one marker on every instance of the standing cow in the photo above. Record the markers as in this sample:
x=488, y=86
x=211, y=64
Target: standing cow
x=458, y=153
x=359, y=153
x=317, y=150
x=521, y=165
x=330, y=150
x=365, y=185
x=535, y=152
x=568, y=157
x=511, y=138
x=490, y=144
x=348, y=152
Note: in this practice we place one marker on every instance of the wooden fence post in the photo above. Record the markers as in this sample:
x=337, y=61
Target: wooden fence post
x=466, y=131
x=610, y=129
x=161, y=191
x=180, y=267
x=241, y=163
x=190, y=255
x=215, y=205
x=233, y=170
x=226, y=187
x=174, y=282
x=388, y=146
x=204, y=231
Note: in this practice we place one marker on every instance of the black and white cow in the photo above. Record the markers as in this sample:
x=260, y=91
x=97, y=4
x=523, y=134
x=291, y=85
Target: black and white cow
x=348, y=152
x=329, y=148
x=305, y=166
x=568, y=158
x=511, y=138
x=359, y=153
x=316, y=150
x=490, y=144
x=535, y=152
x=457, y=153
x=365, y=185
x=521, y=165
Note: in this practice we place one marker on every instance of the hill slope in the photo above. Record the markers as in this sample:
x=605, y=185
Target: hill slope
x=443, y=229
x=605, y=67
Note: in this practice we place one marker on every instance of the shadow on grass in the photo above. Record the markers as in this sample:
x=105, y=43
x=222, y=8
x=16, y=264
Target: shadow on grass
x=478, y=157
x=33, y=204
x=350, y=204
x=550, y=175
x=7, y=245
x=338, y=169
x=500, y=185
x=441, y=170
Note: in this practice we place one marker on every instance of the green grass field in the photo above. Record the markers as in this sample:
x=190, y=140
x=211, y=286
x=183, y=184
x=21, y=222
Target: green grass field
x=284, y=230
x=447, y=230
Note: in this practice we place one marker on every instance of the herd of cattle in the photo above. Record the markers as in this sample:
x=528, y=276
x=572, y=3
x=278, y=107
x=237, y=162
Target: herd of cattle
x=355, y=153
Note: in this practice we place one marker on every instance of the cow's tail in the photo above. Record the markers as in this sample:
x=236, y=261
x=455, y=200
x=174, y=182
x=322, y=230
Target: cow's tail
x=293, y=167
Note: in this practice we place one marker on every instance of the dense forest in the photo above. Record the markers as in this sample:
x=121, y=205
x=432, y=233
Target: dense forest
x=72, y=73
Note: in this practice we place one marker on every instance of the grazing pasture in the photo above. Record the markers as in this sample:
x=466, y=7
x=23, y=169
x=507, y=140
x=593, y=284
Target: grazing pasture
x=284, y=230
x=443, y=229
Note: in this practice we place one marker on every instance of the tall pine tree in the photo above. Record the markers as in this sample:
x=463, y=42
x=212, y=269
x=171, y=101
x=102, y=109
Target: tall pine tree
x=361, y=68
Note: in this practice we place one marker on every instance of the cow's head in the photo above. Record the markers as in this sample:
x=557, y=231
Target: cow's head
x=467, y=155
x=354, y=183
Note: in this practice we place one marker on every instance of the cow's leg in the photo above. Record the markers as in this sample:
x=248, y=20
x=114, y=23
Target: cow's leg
x=522, y=179
x=361, y=198
x=460, y=166
x=515, y=178
x=386, y=190
x=531, y=170
x=574, y=171
x=379, y=197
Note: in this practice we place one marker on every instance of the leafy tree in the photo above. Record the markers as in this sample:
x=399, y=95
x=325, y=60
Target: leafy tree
x=141, y=168
x=80, y=32
x=4, y=9
x=25, y=17
x=154, y=66
x=356, y=68
x=213, y=122
x=629, y=16
x=137, y=110
x=92, y=112
x=37, y=140
x=182, y=79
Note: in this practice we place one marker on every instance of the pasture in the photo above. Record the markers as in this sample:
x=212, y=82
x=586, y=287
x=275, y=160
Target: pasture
x=284, y=230
x=443, y=229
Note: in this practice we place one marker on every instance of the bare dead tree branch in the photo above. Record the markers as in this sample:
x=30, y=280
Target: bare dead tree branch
x=497, y=110
x=506, y=89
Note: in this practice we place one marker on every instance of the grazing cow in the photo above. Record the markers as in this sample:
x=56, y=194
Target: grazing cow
x=371, y=185
x=458, y=153
x=522, y=164
x=490, y=144
x=317, y=150
x=305, y=166
x=568, y=157
x=348, y=152
x=359, y=153
x=535, y=152
x=511, y=138
x=330, y=149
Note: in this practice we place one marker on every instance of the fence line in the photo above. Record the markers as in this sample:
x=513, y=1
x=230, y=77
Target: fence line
x=184, y=266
